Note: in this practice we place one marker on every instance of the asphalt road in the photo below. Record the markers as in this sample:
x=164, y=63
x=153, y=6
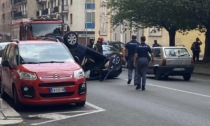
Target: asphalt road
x=172, y=102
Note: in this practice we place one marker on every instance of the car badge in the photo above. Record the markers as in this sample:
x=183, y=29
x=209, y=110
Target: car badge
x=56, y=76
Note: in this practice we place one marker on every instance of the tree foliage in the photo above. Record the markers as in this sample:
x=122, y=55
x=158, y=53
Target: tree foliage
x=170, y=14
x=201, y=14
x=173, y=15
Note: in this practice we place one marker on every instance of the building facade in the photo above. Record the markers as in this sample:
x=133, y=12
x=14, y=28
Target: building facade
x=5, y=20
x=23, y=9
x=78, y=14
x=121, y=33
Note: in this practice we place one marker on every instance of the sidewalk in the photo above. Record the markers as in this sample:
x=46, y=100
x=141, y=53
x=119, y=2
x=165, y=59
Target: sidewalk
x=202, y=68
x=8, y=116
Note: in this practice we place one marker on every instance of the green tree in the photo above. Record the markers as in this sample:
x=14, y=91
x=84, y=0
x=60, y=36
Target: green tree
x=169, y=14
x=201, y=14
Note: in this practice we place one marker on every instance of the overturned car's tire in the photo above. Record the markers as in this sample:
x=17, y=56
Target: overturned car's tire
x=115, y=60
x=71, y=40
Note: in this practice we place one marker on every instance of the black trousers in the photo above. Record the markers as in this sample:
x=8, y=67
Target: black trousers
x=196, y=55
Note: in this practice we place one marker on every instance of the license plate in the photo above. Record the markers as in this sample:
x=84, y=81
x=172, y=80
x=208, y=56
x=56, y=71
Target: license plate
x=178, y=69
x=57, y=90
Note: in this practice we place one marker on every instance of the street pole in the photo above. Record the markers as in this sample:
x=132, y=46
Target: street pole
x=121, y=31
x=86, y=21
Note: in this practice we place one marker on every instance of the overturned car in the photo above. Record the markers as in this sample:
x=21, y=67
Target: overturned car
x=96, y=65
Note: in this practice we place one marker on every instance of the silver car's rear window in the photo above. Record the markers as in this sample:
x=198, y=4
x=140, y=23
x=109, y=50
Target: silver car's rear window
x=176, y=52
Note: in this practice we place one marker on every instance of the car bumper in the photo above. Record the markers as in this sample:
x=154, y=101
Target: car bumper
x=56, y=101
x=42, y=94
x=175, y=70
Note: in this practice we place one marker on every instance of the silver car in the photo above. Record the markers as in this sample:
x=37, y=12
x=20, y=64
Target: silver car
x=171, y=61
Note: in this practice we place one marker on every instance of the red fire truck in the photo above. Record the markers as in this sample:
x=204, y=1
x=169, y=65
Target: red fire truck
x=34, y=29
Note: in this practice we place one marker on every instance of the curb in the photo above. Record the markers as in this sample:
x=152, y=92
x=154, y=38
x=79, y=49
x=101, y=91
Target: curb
x=201, y=70
x=8, y=116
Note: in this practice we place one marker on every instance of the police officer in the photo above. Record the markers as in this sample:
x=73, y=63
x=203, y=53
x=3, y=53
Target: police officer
x=91, y=42
x=130, y=47
x=141, y=61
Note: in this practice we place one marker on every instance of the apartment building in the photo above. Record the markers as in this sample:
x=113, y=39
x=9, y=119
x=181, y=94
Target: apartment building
x=78, y=14
x=121, y=33
x=5, y=20
x=23, y=9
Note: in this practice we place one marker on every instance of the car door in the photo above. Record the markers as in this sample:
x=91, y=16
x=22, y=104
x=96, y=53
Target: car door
x=7, y=71
x=157, y=60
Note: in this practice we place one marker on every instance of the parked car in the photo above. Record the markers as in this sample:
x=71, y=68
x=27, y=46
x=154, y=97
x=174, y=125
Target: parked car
x=2, y=46
x=108, y=50
x=171, y=61
x=116, y=44
x=43, y=73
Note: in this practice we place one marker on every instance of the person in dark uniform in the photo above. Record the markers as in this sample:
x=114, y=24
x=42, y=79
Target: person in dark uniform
x=91, y=43
x=130, y=47
x=141, y=61
x=196, y=49
x=156, y=44
x=98, y=45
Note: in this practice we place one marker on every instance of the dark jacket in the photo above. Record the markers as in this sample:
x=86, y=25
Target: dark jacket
x=98, y=47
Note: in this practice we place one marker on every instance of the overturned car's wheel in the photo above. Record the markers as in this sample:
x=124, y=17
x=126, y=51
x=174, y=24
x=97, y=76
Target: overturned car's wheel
x=115, y=61
x=71, y=40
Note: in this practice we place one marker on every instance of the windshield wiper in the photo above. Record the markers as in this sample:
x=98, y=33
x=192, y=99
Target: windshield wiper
x=52, y=62
x=23, y=62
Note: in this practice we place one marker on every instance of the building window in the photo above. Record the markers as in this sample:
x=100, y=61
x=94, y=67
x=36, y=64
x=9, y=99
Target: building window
x=51, y=4
x=65, y=2
x=90, y=6
x=71, y=2
x=90, y=1
x=59, y=2
x=71, y=19
x=90, y=17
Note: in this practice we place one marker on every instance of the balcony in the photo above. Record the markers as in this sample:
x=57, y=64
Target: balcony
x=90, y=6
x=89, y=25
x=14, y=9
x=20, y=14
x=56, y=9
x=46, y=11
x=41, y=1
x=64, y=9
x=19, y=1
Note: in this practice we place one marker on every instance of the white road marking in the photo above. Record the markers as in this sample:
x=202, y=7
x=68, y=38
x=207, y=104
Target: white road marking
x=188, y=92
x=56, y=116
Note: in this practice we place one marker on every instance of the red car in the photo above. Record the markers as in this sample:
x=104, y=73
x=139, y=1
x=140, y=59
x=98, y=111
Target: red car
x=39, y=72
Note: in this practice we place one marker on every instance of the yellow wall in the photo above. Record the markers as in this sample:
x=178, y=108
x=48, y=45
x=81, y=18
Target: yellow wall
x=180, y=39
x=163, y=39
x=188, y=39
